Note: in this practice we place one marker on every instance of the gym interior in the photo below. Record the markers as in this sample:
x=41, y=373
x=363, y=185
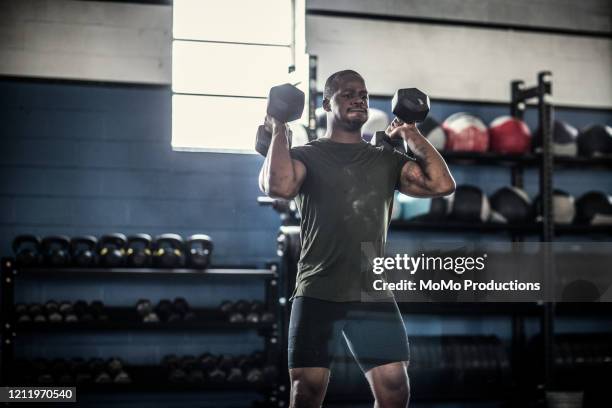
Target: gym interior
x=143, y=266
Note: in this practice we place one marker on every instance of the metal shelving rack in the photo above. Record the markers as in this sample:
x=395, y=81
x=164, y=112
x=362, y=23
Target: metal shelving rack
x=206, y=320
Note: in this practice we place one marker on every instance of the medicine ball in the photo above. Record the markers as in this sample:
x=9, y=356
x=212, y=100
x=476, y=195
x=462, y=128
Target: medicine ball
x=564, y=139
x=466, y=132
x=563, y=207
x=470, y=204
x=595, y=141
x=595, y=208
x=509, y=135
x=321, y=117
x=510, y=204
x=413, y=207
x=377, y=120
x=431, y=129
x=439, y=209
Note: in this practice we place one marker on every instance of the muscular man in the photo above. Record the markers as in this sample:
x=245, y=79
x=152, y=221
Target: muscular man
x=344, y=187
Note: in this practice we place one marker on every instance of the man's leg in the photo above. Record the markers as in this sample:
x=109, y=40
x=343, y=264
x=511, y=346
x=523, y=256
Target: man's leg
x=376, y=337
x=314, y=328
x=390, y=385
x=308, y=386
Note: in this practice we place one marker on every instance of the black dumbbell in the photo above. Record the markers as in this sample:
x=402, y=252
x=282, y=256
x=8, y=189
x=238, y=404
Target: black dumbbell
x=270, y=374
x=170, y=362
x=409, y=105
x=242, y=306
x=55, y=317
x=235, y=376
x=207, y=362
x=95, y=366
x=285, y=104
x=51, y=306
x=77, y=365
x=83, y=311
x=79, y=306
x=139, y=250
x=189, y=363
x=254, y=376
x=226, y=363
x=258, y=358
x=180, y=306
x=122, y=378
x=56, y=250
x=83, y=251
x=144, y=307
x=226, y=306
x=98, y=310
x=196, y=376
x=169, y=252
x=103, y=378
x=177, y=376
x=111, y=248
x=37, y=313
x=199, y=249
x=27, y=250
x=22, y=313
x=217, y=376
x=114, y=366
x=164, y=309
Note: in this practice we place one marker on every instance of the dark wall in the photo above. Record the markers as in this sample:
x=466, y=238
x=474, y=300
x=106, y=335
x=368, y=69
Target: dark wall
x=89, y=159
x=92, y=159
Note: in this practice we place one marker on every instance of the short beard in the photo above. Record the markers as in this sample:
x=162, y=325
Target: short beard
x=353, y=125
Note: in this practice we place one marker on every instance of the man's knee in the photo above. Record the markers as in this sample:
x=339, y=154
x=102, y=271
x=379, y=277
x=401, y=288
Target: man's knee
x=308, y=386
x=390, y=385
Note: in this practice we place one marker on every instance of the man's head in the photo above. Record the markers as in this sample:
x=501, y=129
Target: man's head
x=345, y=96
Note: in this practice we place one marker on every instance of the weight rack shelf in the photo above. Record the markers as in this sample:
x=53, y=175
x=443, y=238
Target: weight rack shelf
x=490, y=227
x=126, y=318
x=155, y=377
x=100, y=272
x=528, y=160
x=603, y=309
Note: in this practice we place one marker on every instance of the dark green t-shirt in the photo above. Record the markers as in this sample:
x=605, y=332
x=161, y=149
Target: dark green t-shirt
x=344, y=201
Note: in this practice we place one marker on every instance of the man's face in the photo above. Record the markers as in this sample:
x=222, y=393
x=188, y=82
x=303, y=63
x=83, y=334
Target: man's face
x=349, y=104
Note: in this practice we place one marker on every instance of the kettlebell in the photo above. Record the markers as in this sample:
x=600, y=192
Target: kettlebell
x=169, y=251
x=83, y=251
x=27, y=250
x=199, y=249
x=111, y=249
x=56, y=250
x=139, y=250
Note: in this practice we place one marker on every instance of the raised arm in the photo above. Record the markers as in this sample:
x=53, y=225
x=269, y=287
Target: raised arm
x=280, y=175
x=429, y=175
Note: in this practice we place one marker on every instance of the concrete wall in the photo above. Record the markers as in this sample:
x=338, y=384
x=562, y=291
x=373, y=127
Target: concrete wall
x=110, y=41
x=585, y=15
x=461, y=63
x=86, y=40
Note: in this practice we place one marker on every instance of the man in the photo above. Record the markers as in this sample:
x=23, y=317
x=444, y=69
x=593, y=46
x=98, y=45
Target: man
x=344, y=187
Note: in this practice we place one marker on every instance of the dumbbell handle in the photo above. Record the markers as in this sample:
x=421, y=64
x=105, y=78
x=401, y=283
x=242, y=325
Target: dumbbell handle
x=264, y=139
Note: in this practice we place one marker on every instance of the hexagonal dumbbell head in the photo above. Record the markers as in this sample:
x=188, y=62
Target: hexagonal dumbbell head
x=285, y=103
x=410, y=105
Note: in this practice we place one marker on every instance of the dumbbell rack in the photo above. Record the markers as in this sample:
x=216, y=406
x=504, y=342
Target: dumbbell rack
x=206, y=320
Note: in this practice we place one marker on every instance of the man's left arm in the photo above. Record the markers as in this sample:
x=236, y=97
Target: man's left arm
x=429, y=175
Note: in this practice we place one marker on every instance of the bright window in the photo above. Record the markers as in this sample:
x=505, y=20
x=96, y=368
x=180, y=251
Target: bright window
x=225, y=57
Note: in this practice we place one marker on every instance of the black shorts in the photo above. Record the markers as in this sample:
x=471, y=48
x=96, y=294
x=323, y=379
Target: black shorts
x=373, y=331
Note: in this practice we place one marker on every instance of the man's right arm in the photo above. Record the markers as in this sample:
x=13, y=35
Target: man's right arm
x=280, y=175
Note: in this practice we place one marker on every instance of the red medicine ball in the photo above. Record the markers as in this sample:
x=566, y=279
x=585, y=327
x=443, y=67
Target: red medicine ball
x=466, y=133
x=509, y=135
